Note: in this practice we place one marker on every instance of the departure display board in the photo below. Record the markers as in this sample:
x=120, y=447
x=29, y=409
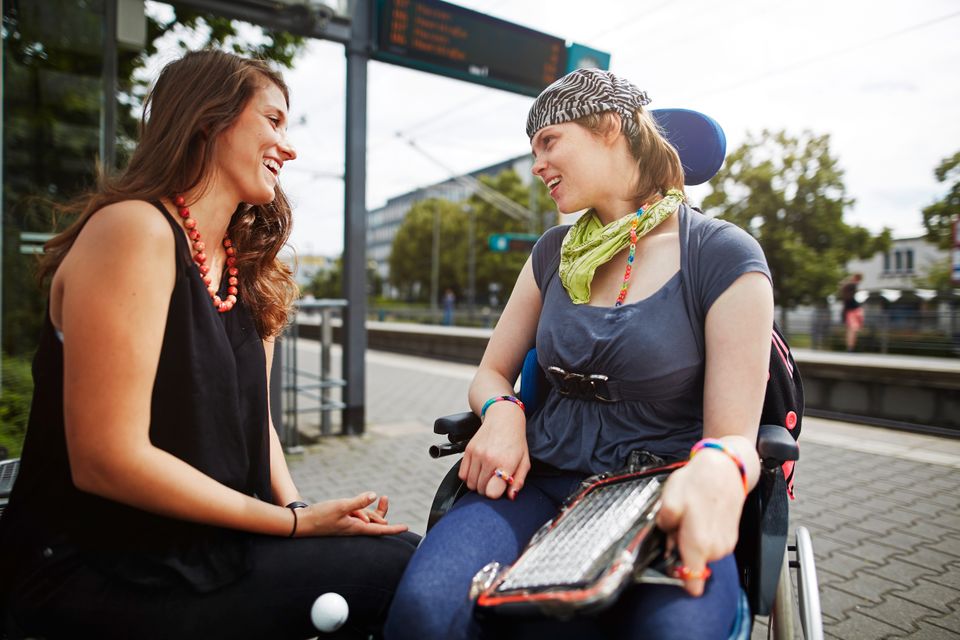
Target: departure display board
x=449, y=40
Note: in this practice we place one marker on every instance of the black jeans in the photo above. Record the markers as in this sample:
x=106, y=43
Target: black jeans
x=67, y=598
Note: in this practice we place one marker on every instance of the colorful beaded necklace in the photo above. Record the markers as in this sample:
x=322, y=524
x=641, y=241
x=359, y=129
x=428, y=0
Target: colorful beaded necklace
x=200, y=258
x=633, y=252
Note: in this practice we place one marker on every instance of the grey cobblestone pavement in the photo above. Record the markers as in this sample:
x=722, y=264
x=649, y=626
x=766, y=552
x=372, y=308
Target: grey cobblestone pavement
x=883, y=507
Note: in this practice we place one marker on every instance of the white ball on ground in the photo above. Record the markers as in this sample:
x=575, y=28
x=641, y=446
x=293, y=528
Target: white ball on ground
x=329, y=612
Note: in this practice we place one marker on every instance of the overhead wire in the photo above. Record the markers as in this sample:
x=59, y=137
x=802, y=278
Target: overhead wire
x=836, y=53
x=805, y=62
x=487, y=194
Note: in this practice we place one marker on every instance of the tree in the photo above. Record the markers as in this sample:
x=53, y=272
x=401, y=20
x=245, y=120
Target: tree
x=328, y=283
x=937, y=276
x=938, y=218
x=788, y=192
x=501, y=269
x=410, y=256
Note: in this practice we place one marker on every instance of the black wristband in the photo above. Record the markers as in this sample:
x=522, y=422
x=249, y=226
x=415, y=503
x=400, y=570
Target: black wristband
x=296, y=504
x=293, y=531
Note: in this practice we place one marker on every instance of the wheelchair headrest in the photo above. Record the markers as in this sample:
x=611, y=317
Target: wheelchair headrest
x=697, y=138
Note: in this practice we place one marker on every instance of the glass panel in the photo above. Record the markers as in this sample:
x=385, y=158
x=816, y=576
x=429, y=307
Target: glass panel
x=51, y=106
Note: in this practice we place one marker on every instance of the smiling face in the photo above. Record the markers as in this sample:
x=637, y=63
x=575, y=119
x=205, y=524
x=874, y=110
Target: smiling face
x=252, y=151
x=581, y=169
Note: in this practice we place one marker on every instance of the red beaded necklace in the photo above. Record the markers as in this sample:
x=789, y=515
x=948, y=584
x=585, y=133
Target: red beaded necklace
x=200, y=258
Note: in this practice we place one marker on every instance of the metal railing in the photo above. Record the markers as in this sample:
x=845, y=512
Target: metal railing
x=308, y=383
x=931, y=331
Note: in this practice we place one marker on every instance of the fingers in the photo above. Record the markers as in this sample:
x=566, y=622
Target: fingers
x=375, y=529
x=361, y=514
x=375, y=517
x=470, y=471
x=692, y=569
x=360, y=502
x=670, y=518
x=379, y=515
x=495, y=487
x=671, y=504
x=383, y=506
x=519, y=477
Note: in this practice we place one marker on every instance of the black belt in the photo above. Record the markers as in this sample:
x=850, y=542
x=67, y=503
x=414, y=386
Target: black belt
x=600, y=388
x=585, y=386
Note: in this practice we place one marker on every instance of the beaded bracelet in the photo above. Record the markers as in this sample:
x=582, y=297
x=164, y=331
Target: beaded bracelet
x=713, y=443
x=513, y=399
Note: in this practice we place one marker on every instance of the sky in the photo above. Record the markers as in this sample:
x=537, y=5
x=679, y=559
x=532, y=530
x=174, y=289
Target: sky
x=881, y=77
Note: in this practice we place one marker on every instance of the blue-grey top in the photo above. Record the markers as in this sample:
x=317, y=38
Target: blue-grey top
x=654, y=348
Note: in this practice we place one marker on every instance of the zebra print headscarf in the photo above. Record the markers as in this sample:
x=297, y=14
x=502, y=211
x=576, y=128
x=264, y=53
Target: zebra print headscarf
x=584, y=92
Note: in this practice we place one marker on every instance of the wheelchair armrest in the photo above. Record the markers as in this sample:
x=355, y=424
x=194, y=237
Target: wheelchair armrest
x=775, y=445
x=458, y=427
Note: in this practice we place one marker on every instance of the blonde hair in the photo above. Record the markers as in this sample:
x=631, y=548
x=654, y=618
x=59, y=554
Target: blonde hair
x=657, y=159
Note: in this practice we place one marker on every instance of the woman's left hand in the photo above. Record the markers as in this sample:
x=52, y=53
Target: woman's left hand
x=700, y=512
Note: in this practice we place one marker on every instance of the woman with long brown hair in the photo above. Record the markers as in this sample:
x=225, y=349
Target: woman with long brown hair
x=153, y=498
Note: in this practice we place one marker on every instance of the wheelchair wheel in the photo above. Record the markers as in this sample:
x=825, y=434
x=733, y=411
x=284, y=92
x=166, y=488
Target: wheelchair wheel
x=807, y=586
x=781, y=623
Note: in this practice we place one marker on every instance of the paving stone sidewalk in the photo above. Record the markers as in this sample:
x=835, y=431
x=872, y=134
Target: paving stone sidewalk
x=886, y=528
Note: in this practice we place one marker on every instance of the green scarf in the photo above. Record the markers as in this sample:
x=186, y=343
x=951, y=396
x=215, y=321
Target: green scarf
x=590, y=244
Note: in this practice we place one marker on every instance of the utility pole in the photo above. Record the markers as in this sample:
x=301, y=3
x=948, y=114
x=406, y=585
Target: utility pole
x=471, y=261
x=435, y=261
x=355, y=222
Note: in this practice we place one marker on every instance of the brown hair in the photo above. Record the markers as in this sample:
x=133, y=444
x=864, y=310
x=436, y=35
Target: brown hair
x=660, y=168
x=193, y=101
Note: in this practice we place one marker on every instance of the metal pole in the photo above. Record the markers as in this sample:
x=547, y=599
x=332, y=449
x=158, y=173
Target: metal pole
x=435, y=262
x=355, y=225
x=2, y=191
x=108, y=95
x=291, y=388
x=326, y=344
x=471, y=262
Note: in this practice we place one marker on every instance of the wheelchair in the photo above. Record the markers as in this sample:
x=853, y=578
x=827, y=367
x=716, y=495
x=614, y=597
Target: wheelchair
x=764, y=558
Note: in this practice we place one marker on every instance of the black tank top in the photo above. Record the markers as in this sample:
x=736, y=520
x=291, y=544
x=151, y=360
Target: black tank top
x=208, y=408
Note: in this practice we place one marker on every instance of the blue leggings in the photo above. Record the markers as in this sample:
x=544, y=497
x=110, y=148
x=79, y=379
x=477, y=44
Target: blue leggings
x=431, y=600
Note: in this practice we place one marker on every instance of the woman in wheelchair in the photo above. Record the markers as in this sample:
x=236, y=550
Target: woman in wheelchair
x=667, y=314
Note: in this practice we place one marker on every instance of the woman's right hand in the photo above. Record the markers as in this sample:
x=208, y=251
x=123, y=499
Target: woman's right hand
x=500, y=443
x=343, y=517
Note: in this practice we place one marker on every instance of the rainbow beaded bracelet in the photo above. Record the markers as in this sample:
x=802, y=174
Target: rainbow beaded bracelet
x=488, y=403
x=713, y=443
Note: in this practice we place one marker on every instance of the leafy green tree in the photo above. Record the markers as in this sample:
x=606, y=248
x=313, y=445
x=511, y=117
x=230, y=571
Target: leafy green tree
x=501, y=269
x=15, y=397
x=939, y=217
x=410, y=257
x=328, y=283
x=937, y=276
x=788, y=192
